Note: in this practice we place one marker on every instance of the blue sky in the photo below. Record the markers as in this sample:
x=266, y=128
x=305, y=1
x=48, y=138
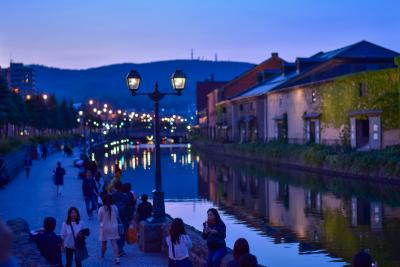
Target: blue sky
x=81, y=34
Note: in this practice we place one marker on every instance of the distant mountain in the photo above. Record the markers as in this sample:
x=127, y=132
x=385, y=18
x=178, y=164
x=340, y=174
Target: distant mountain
x=107, y=83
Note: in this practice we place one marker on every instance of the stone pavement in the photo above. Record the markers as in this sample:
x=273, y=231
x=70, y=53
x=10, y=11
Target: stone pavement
x=35, y=198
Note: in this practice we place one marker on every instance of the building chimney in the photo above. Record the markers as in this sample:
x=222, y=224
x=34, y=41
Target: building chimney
x=274, y=54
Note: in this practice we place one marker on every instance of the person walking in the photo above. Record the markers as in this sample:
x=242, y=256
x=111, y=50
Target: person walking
x=117, y=178
x=90, y=193
x=27, y=165
x=121, y=200
x=126, y=188
x=44, y=151
x=108, y=220
x=69, y=233
x=48, y=243
x=215, y=233
x=59, y=174
x=144, y=209
x=179, y=245
x=100, y=188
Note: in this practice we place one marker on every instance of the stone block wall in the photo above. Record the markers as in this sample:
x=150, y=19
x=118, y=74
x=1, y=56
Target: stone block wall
x=24, y=250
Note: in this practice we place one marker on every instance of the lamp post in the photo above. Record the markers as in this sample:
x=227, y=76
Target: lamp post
x=83, y=121
x=178, y=80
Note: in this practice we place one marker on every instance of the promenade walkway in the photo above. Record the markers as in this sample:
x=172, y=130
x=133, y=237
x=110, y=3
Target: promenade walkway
x=35, y=198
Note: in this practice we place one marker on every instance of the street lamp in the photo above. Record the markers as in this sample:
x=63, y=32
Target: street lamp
x=84, y=130
x=178, y=80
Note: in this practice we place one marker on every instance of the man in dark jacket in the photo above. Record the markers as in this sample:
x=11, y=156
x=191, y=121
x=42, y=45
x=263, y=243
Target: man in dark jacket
x=48, y=243
x=59, y=174
x=144, y=209
x=90, y=193
x=121, y=200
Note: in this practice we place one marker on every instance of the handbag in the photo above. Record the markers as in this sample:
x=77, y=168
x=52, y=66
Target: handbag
x=81, y=252
x=131, y=234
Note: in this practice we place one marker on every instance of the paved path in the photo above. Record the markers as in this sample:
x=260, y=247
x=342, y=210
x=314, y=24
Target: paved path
x=35, y=198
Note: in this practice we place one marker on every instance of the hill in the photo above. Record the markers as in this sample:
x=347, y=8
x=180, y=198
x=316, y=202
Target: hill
x=107, y=83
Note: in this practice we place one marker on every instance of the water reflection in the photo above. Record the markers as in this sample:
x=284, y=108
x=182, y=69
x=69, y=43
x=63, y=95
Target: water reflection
x=335, y=216
x=288, y=217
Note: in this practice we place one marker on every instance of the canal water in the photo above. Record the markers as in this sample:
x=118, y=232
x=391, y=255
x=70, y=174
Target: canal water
x=290, y=218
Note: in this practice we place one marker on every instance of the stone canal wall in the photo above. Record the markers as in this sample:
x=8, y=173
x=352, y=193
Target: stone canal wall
x=372, y=172
x=24, y=250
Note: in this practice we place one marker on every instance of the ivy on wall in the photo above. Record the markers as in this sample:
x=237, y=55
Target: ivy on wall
x=342, y=95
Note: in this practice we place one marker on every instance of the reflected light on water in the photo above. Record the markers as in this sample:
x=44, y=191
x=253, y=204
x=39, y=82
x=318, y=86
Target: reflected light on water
x=173, y=155
x=133, y=163
x=144, y=161
x=149, y=158
x=105, y=169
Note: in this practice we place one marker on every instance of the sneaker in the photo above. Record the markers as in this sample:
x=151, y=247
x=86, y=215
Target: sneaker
x=116, y=261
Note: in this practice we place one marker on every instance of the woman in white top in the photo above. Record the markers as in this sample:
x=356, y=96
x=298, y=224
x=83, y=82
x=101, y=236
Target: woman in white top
x=108, y=219
x=179, y=245
x=72, y=226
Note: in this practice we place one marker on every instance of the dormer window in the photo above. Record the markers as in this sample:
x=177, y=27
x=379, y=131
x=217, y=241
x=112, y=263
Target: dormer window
x=362, y=89
x=313, y=96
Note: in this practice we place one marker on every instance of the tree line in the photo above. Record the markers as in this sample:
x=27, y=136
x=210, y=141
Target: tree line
x=34, y=116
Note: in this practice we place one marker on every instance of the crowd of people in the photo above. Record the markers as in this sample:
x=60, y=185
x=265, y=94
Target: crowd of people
x=115, y=205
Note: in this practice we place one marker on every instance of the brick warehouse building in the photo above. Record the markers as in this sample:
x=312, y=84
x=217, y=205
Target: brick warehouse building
x=316, y=98
x=227, y=129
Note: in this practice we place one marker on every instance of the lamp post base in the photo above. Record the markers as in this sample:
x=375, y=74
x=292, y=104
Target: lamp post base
x=158, y=207
x=152, y=235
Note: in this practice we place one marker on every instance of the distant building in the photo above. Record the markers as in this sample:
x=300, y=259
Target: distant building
x=22, y=78
x=202, y=90
x=5, y=74
x=213, y=113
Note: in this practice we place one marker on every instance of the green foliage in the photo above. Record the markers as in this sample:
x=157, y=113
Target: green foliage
x=342, y=95
x=36, y=112
x=397, y=61
x=9, y=145
x=5, y=103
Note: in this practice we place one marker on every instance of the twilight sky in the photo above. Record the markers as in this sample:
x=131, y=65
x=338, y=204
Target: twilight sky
x=90, y=33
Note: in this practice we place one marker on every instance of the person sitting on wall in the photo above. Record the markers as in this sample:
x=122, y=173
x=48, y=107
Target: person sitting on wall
x=144, y=209
x=362, y=259
x=248, y=260
x=240, y=248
